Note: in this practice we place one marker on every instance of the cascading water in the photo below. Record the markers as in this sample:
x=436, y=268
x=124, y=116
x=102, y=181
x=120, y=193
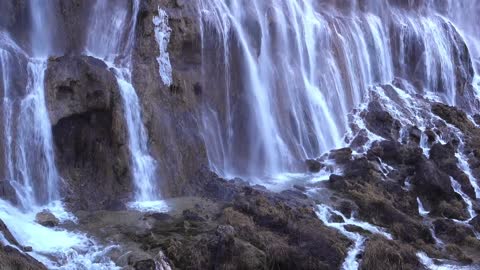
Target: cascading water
x=111, y=38
x=325, y=213
x=30, y=163
x=29, y=153
x=289, y=72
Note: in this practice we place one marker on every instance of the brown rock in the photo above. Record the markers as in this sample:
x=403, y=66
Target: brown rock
x=88, y=131
x=381, y=254
x=46, y=218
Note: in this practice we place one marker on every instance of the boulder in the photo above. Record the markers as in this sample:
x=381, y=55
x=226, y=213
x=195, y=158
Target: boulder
x=432, y=182
x=314, y=165
x=46, y=218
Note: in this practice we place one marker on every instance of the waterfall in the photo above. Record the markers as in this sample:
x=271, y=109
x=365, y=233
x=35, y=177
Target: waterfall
x=29, y=155
x=291, y=75
x=111, y=38
x=29, y=152
x=287, y=73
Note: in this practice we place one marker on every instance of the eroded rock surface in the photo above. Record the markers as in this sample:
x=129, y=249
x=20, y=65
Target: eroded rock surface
x=88, y=130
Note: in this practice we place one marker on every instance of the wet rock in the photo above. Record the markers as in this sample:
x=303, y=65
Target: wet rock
x=341, y=155
x=395, y=153
x=336, y=219
x=314, y=165
x=254, y=229
x=457, y=254
x=452, y=232
x=76, y=85
x=170, y=112
x=347, y=208
x=145, y=265
x=362, y=167
x=135, y=259
x=444, y=157
x=475, y=222
x=380, y=122
x=7, y=234
x=294, y=194
x=160, y=216
x=431, y=136
x=7, y=191
x=431, y=182
x=11, y=258
x=359, y=140
x=455, y=209
x=356, y=229
x=453, y=116
x=47, y=219
x=476, y=118
x=381, y=254
x=415, y=134
x=73, y=17
x=300, y=188
x=88, y=131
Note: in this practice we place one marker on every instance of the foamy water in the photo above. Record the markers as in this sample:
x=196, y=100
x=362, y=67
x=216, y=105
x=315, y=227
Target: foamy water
x=57, y=248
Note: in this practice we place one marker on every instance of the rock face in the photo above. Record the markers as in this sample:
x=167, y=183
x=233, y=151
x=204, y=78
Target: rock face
x=76, y=85
x=88, y=130
x=230, y=224
x=171, y=112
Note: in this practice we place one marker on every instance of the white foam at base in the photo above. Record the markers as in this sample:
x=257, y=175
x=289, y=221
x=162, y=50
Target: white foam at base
x=150, y=206
x=54, y=247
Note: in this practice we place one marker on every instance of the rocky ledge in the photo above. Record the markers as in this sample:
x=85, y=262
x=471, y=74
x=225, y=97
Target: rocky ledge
x=233, y=226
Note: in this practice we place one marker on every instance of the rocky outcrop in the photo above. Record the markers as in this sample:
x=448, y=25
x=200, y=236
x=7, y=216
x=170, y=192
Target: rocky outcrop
x=232, y=227
x=88, y=130
x=385, y=184
x=171, y=112
x=380, y=122
x=75, y=85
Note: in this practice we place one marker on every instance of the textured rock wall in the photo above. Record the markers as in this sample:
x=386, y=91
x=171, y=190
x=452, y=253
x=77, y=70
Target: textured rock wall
x=88, y=130
x=171, y=112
